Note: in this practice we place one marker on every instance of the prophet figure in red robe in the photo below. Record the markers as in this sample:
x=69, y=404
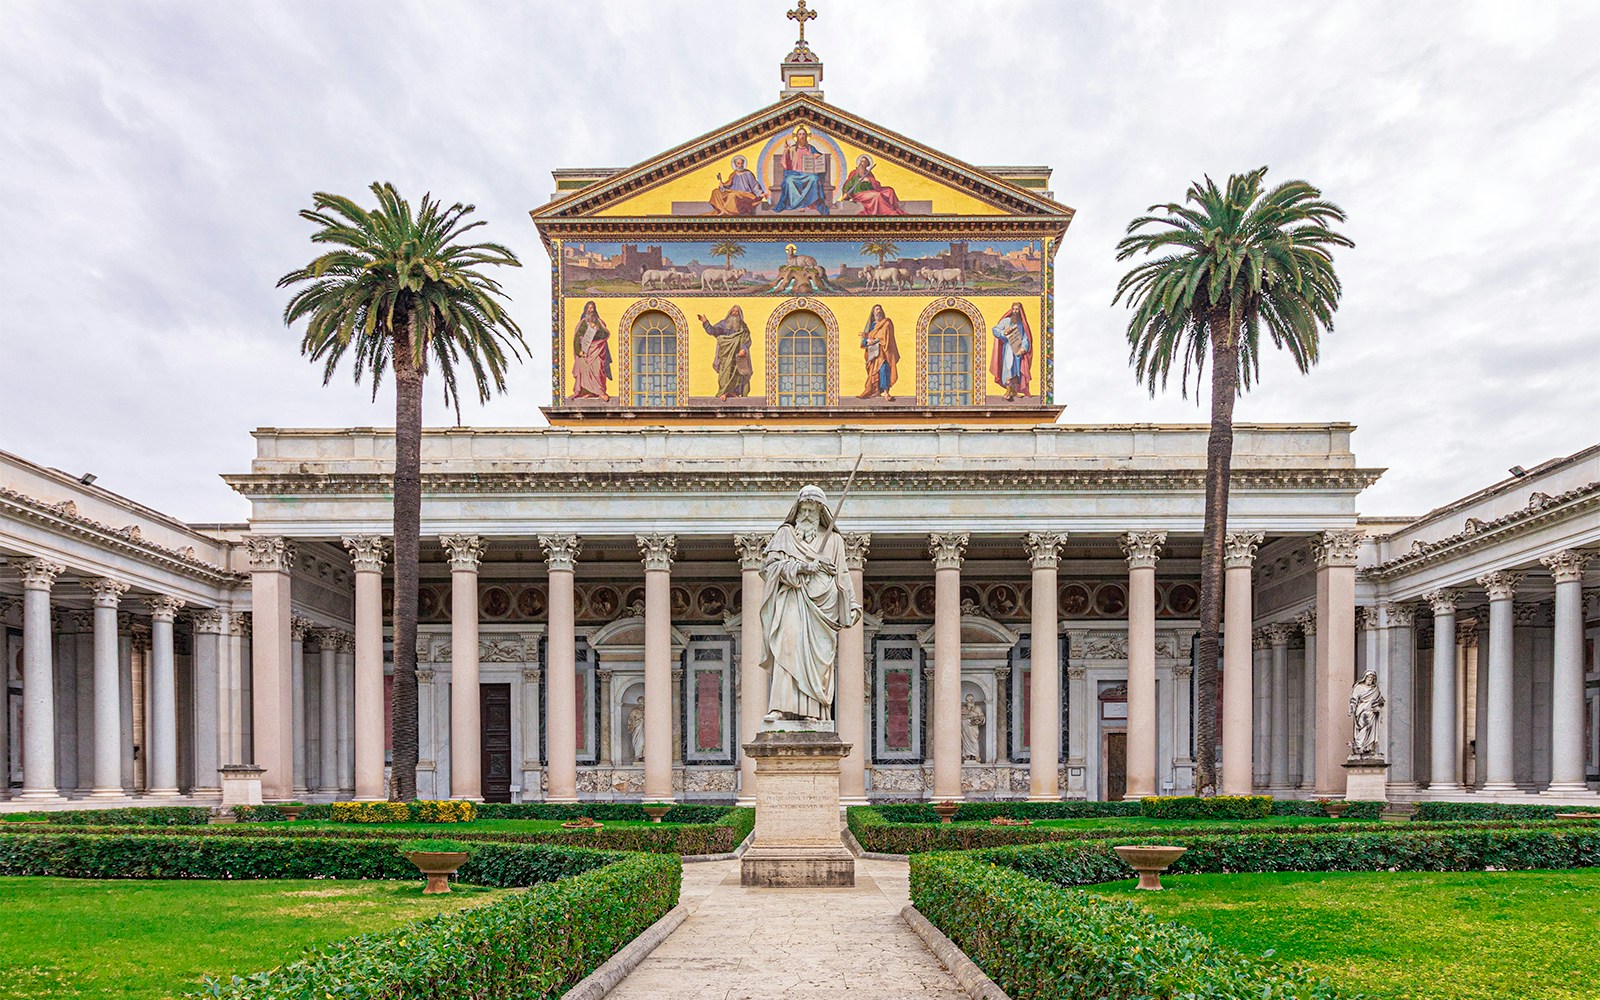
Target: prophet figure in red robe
x=863, y=188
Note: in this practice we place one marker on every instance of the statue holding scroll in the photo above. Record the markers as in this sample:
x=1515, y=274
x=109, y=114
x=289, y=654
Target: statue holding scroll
x=1366, y=705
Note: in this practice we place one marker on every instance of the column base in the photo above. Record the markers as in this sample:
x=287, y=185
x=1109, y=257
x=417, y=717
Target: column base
x=846, y=801
x=41, y=795
x=561, y=800
x=1496, y=787
x=107, y=793
x=301, y=791
x=162, y=793
x=745, y=802
x=1043, y=798
x=1567, y=788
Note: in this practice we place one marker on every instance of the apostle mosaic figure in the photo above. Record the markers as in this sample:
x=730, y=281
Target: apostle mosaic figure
x=732, y=361
x=862, y=187
x=739, y=194
x=1013, y=352
x=591, y=356
x=882, y=355
x=1366, y=706
x=809, y=600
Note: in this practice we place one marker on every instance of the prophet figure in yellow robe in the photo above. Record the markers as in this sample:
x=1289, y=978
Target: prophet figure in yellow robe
x=882, y=355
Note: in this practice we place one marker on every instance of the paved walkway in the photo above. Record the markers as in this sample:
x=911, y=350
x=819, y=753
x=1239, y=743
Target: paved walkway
x=743, y=944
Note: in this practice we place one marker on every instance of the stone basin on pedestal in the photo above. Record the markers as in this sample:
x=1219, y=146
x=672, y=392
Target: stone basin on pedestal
x=797, y=841
x=1149, y=860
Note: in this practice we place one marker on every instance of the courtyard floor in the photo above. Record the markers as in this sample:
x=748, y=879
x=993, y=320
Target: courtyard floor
x=743, y=943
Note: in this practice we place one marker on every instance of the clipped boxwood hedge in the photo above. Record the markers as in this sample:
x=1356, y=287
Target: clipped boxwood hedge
x=418, y=811
x=132, y=816
x=1206, y=807
x=1041, y=942
x=271, y=813
x=602, y=811
x=1445, y=811
x=922, y=812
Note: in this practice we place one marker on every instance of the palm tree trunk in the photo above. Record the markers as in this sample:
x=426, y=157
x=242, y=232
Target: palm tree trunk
x=407, y=543
x=1219, y=462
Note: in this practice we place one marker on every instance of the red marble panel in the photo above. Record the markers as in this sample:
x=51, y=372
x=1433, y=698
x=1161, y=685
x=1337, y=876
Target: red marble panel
x=897, y=709
x=708, y=710
x=581, y=700
x=1027, y=707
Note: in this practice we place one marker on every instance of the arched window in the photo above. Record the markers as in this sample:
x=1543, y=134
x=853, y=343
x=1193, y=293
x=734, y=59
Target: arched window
x=802, y=368
x=653, y=339
x=949, y=359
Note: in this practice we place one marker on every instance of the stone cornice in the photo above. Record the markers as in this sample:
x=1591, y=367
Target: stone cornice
x=64, y=519
x=1542, y=510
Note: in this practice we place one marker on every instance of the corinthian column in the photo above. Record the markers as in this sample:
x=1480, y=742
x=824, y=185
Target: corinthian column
x=851, y=686
x=1445, y=773
x=107, y=689
x=366, y=557
x=657, y=551
x=1278, y=705
x=1498, y=775
x=947, y=550
x=466, y=745
x=327, y=769
x=1399, y=632
x=561, y=697
x=299, y=628
x=1238, y=686
x=1143, y=549
x=208, y=667
x=1566, y=682
x=1307, y=620
x=1335, y=553
x=753, y=680
x=163, y=698
x=1044, y=678
x=38, y=682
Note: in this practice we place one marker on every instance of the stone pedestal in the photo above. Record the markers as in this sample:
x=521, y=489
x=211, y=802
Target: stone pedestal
x=1366, y=780
x=241, y=784
x=797, y=842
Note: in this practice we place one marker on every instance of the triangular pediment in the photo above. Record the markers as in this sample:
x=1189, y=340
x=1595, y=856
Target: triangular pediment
x=802, y=157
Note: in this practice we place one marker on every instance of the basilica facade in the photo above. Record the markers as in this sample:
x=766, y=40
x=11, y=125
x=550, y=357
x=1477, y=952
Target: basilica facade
x=800, y=297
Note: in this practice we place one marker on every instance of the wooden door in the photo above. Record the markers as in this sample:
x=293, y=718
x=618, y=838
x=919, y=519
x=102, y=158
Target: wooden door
x=494, y=706
x=1116, y=766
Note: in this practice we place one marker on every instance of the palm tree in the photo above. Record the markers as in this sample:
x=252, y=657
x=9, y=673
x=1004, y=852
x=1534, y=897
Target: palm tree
x=1232, y=261
x=400, y=289
x=728, y=251
x=882, y=250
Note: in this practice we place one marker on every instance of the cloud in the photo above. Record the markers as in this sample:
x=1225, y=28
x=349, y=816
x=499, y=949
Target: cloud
x=157, y=153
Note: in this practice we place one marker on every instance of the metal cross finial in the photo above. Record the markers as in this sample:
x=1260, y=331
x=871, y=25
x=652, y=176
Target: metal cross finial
x=802, y=15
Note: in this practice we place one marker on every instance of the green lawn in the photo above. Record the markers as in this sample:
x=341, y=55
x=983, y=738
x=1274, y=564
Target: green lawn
x=1140, y=824
x=444, y=829
x=1411, y=935
x=128, y=939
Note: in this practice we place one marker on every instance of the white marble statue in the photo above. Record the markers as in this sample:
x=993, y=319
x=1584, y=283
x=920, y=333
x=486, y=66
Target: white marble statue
x=1366, y=705
x=809, y=599
x=636, y=729
x=972, y=720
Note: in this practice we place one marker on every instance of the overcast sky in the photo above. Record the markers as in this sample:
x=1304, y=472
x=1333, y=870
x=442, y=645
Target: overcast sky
x=153, y=157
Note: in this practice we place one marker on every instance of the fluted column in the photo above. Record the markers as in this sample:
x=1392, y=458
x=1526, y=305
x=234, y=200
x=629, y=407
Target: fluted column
x=753, y=681
x=1498, y=774
x=1307, y=622
x=1443, y=732
x=299, y=629
x=327, y=769
x=1335, y=553
x=466, y=743
x=1278, y=707
x=851, y=688
x=561, y=696
x=367, y=553
x=947, y=550
x=657, y=552
x=163, y=698
x=207, y=666
x=1566, y=682
x=1238, y=685
x=107, y=689
x=1044, y=680
x=344, y=666
x=1143, y=549
x=38, y=681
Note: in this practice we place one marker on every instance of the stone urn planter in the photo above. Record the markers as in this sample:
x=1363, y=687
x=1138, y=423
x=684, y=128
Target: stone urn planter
x=657, y=811
x=582, y=823
x=1335, y=809
x=946, y=811
x=292, y=811
x=438, y=860
x=1149, y=860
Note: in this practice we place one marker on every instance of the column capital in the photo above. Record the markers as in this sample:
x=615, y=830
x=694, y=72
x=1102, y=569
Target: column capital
x=1239, y=548
x=1566, y=566
x=1259, y=640
x=163, y=609
x=239, y=623
x=1443, y=600
x=1044, y=548
x=466, y=552
x=209, y=621
x=367, y=552
x=657, y=550
x=107, y=592
x=948, y=548
x=299, y=627
x=1143, y=548
x=328, y=638
x=40, y=574
x=1398, y=615
x=752, y=549
x=1307, y=620
x=269, y=553
x=560, y=551
x=1336, y=548
x=1467, y=634
x=1278, y=633
x=1500, y=584
x=856, y=544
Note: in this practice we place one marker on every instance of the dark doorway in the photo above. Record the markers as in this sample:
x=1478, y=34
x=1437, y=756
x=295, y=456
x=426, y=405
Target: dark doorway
x=494, y=704
x=1116, y=766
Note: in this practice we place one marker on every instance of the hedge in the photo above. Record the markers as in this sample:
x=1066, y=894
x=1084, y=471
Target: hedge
x=602, y=811
x=1315, y=807
x=1206, y=807
x=922, y=812
x=720, y=837
x=133, y=816
x=419, y=811
x=1037, y=941
x=271, y=813
x=1445, y=811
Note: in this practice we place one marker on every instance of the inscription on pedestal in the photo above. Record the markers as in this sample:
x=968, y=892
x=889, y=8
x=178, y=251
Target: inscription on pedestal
x=797, y=841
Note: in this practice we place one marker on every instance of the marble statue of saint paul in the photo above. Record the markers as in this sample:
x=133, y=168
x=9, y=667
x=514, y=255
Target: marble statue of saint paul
x=809, y=598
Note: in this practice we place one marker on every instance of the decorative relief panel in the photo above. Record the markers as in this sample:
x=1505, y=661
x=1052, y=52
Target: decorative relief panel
x=1005, y=600
x=594, y=603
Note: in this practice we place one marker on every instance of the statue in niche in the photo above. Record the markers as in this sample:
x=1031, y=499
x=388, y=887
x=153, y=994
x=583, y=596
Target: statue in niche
x=1366, y=707
x=636, y=728
x=972, y=720
x=809, y=599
